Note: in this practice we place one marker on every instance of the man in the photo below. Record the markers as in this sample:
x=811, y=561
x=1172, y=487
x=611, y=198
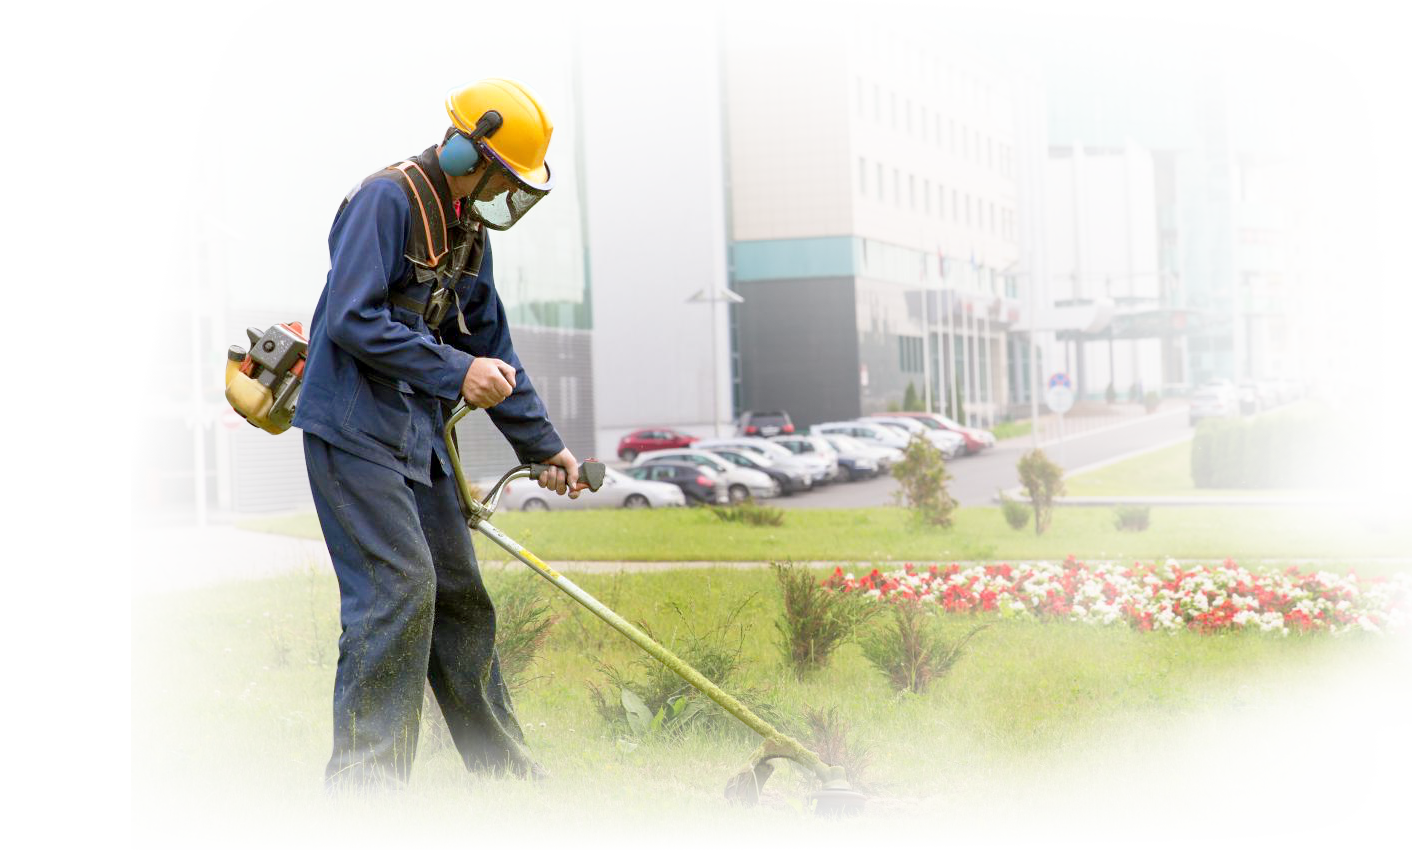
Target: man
x=409, y=322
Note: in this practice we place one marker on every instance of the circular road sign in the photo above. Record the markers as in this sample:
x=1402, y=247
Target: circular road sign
x=1059, y=393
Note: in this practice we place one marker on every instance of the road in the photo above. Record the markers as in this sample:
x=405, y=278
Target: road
x=976, y=479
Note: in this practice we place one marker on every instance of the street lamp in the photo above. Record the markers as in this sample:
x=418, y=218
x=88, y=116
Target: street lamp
x=216, y=230
x=715, y=295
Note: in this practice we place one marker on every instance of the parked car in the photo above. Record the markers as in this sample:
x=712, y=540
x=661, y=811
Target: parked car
x=1248, y=394
x=809, y=472
x=950, y=443
x=863, y=455
x=618, y=491
x=652, y=439
x=789, y=482
x=875, y=433
x=977, y=439
x=1213, y=401
x=813, y=447
x=741, y=483
x=764, y=424
x=698, y=484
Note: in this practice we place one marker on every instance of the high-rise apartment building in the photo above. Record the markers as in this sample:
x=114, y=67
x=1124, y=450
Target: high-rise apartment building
x=1329, y=326
x=264, y=115
x=873, y=221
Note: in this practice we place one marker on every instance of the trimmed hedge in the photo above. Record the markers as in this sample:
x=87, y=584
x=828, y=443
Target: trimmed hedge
x=1287, y=448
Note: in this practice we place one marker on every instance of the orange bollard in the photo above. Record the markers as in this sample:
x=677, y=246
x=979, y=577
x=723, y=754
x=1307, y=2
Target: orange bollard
x=153, y=476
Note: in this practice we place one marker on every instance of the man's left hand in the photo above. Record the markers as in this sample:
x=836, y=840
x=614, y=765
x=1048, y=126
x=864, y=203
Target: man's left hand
x=563, y=475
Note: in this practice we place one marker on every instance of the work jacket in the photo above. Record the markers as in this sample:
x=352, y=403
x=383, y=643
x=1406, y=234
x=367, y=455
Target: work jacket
x=379, y=381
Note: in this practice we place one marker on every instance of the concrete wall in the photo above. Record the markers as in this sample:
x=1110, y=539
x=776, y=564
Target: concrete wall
x=655, y=217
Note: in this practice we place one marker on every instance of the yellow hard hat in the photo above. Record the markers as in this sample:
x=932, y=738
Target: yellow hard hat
x=522, y=138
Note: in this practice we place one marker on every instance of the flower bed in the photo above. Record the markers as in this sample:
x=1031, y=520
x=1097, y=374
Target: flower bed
x=1150, y=597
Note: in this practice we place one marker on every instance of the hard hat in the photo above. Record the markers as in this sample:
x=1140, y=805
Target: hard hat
x=510, y=134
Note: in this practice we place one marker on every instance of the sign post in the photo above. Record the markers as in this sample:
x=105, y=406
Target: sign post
x=1059, y=397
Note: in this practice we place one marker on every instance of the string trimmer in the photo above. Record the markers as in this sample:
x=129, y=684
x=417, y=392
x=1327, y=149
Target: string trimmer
x=834, y=796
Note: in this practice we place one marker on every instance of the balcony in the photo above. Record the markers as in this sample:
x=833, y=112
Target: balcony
x=150, y=381
x=175, y=171
x=174, y=276
x=174, y=65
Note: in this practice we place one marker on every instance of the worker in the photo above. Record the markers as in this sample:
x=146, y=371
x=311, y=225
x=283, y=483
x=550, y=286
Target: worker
x=408, y=323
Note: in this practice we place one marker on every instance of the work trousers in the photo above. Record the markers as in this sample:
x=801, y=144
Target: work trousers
x=413, y=609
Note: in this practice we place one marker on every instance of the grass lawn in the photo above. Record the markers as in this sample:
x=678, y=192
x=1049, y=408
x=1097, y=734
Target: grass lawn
x=1165, y=472
x=231, y=725
x=1010, y=430
x=889, y=534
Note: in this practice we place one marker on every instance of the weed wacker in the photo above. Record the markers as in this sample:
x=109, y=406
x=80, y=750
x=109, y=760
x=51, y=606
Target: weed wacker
x=835, y=797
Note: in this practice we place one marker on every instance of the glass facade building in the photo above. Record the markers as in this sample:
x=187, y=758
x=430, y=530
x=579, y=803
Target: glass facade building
x=315, y=95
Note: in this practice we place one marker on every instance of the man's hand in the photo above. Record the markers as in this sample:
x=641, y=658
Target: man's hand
x=488, y=382
x=563, y=475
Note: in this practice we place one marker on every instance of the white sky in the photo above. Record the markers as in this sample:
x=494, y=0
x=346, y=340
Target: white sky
x=1374, y=30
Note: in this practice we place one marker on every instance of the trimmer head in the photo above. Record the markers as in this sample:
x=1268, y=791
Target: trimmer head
x=836, y=799
x=841, y=802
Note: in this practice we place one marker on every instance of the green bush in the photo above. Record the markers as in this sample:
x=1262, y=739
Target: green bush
x=1330, y=468
x=1281, y=441
x=915, y=651
x=749, y=513
x=1043, y=479
x=1131, y=517
x=1110, y=395
x=923, y=476
x=816, y=620
x=1152, y=401
x=1017, y=514
x=1203, y=445
x=1255, y=462
x=1302, y=470
x=1380, y=455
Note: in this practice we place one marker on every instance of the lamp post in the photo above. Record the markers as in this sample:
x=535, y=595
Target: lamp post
x=218, y=230
x=714, y=295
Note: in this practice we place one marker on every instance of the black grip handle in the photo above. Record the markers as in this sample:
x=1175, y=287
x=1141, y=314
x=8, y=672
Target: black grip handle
x=590, y=472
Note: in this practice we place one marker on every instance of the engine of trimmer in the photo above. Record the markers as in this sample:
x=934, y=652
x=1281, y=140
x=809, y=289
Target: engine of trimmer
x=262, y=384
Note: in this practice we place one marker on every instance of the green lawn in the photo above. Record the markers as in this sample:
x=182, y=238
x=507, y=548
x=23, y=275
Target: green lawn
x=889, y=534
x=1166, y=473
x=231, y=723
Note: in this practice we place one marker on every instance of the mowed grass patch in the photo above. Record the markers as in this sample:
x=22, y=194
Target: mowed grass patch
x=231, y=690
x=891, y=534
x=1164, y=473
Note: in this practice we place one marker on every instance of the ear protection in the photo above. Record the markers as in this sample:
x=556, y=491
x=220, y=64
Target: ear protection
x=459, y=156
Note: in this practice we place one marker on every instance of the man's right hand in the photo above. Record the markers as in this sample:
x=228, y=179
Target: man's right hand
x=488, y=382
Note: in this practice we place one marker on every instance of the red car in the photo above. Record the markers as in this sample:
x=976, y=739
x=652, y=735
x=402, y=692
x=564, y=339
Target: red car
x=651, y=439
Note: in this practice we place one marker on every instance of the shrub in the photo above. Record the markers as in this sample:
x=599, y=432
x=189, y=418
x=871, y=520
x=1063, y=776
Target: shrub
x=1330, y=466
x=1374, y=521
x=1281, y=441
x=1110, y=395
x=1380, y=455
x=816, y=619
x=1302, y=449
x=1043, y=479
x=923, y=476
x=909, y=398
x=1152, y=401
x=1131, y=517
x=1255, y=462
x=915, y=651
x=830, y=736
x=749, y=513
x=1017, y=514
x=1203, y=446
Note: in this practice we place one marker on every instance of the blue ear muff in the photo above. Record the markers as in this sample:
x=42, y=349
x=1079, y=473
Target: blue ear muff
x=458, y=156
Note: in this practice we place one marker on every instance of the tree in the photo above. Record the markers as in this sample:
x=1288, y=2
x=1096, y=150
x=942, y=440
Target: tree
x=1044, y=480
x=909, y=399
x=923, y=476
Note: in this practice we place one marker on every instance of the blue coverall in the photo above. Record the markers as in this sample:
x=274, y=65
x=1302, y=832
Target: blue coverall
x=377, y=385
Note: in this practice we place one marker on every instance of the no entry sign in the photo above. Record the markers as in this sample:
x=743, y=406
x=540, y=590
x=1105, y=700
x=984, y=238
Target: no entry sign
x=230, y=420
x=1059, y=393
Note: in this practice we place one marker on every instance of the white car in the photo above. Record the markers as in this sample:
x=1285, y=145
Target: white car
x=812, y=446
x=741, y=483
x=815, y=469
x=950, y=444
x=879, y=434
x=1215, y=400
x=862, y=452
x=618, y=491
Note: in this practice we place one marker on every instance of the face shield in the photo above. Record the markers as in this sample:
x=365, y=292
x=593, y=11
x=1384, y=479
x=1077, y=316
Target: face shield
x=502, y=196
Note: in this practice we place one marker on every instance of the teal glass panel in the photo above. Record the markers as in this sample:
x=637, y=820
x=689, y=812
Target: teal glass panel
x=315, y=95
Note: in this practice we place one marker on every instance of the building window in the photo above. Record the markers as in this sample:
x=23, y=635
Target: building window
x=897, y=187
x=940, y=201
x=909, y=353
x=927, y=197
x=862, y=176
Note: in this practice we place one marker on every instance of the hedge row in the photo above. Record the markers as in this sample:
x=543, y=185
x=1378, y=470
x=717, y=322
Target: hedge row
x=1293, y=447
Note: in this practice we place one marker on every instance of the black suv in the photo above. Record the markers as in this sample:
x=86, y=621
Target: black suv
x=764, y=423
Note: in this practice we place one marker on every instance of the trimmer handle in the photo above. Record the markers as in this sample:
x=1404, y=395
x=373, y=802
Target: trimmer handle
x=590, y=472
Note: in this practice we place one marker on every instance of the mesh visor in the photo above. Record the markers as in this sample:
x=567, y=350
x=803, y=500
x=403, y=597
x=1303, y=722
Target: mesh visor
x=502, y=197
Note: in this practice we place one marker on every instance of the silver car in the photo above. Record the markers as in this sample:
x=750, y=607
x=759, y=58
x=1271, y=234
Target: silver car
x=864, y=454
x=872, y=433
x=741, y=483
x=618, y=491
x=813, y=470
x=812, y=447
x=950, y=444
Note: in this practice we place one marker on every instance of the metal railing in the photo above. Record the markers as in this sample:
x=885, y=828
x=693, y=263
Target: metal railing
x=175, y=171
x=172, y=65
x=174, y=276
x=153, y=380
